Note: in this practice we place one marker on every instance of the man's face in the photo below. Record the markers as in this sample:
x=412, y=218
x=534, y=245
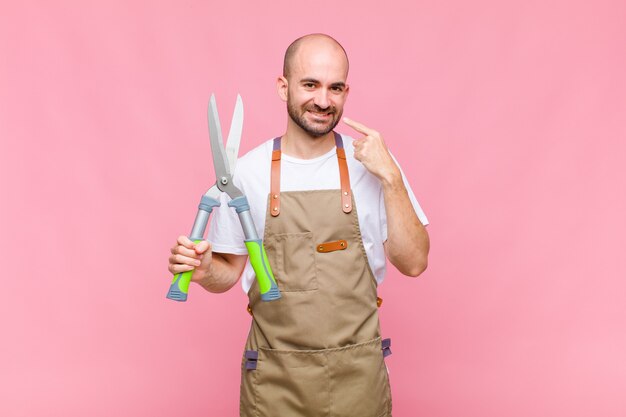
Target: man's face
x=317, y=90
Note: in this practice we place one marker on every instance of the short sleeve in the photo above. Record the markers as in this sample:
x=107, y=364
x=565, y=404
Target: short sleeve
x=225, y=232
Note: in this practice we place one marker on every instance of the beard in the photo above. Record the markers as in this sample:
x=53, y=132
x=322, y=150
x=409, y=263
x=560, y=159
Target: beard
x=315, y=130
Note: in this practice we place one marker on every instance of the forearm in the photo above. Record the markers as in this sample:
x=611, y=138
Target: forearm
x=407, y=242
x=223, y=273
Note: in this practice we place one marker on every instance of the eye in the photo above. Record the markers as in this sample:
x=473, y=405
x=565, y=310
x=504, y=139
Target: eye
x=309, y=85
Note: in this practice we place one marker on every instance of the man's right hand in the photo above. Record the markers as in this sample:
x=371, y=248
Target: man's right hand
x=216, y=272
x=187, y=255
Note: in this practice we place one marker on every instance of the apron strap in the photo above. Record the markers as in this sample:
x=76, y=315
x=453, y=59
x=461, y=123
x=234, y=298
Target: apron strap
x=344, y=177
x=275, y=181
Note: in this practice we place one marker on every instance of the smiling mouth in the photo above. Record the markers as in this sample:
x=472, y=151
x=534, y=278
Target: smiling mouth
x=320, y=115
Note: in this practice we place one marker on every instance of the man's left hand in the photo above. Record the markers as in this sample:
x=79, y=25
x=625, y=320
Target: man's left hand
x=372, y=152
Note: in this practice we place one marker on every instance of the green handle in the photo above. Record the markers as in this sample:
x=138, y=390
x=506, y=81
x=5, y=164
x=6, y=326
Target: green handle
x=180, y=284
x=260, y=264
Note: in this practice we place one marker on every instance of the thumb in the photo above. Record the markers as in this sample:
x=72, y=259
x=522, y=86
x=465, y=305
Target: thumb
x=202, y=247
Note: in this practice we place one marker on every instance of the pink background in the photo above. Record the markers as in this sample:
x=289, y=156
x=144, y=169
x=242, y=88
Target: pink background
x=508, y=118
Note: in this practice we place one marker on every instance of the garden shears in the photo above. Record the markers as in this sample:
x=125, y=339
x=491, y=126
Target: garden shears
x=224, y=161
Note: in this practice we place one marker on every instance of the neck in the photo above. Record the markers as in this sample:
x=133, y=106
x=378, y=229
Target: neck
x=299, y=144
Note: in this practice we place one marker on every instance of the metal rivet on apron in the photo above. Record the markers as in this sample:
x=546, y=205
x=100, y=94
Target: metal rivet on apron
x=342, y=244
x=275, y=196
x=320, y=248
x=275, y=209
x=347, y=205
x=345, y=193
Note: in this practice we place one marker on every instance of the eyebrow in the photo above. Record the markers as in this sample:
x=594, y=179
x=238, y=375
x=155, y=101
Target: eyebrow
x=314, y=81
x=338, y=84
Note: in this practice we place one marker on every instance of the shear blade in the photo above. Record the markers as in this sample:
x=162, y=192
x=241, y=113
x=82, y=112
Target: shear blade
x=220, y=163
x=234, y=135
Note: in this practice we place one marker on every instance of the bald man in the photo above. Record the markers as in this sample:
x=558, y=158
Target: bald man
x=318, y=350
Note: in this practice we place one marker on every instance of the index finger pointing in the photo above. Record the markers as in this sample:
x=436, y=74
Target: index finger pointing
x=359, y=127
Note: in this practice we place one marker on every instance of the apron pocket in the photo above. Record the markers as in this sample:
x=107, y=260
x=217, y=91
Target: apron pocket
x=359, y=381
x=340, y=382
x=294, y=262
x=291, y=383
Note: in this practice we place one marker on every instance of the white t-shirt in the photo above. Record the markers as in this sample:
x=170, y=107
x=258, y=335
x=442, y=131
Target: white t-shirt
x=252, y=177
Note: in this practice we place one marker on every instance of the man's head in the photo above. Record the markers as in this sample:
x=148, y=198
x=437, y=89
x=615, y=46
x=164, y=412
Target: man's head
x=313, y=84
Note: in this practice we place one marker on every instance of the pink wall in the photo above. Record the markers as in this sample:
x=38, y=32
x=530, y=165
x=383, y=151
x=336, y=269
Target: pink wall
x=508, y=118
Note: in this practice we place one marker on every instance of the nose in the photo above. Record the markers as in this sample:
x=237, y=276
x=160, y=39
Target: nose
x=321, y=99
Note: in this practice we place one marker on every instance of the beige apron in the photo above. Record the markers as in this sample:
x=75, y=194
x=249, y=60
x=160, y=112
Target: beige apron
x=317, y=351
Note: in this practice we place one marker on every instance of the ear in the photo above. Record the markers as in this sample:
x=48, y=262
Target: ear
x=346, y=90
x=282, y=86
